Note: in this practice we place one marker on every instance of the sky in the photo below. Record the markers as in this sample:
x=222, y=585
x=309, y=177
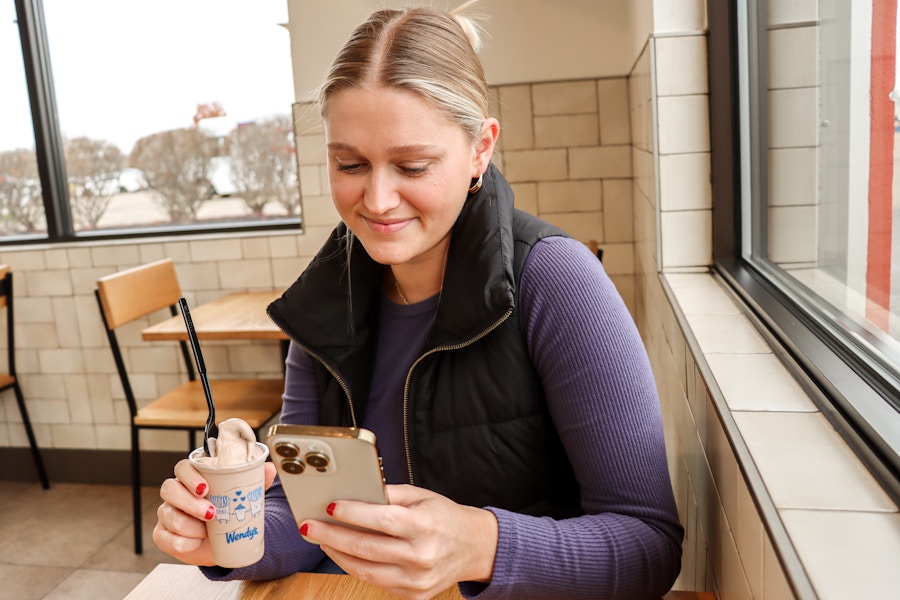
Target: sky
x=125, y=69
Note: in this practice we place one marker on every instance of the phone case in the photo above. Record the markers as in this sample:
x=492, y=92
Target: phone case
x=318, y=465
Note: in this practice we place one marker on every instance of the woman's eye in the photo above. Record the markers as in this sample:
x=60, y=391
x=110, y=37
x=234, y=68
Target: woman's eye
x=348, y=167
x=414, y=169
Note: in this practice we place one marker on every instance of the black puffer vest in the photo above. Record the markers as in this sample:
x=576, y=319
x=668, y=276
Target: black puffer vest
x=477, y=425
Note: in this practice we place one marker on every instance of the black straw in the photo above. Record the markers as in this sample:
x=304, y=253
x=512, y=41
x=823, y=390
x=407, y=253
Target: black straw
x=211, y=429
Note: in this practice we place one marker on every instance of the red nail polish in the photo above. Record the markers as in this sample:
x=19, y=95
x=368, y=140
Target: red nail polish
x=210, y=513
x=304, y=529
x=330, y=509
x=201, y=489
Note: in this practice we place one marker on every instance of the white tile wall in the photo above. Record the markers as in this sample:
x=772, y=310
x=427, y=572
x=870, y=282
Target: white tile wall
x=686, y=238
x=679, y=16
x=793, y=118
x=516, y=117
x=826, y=500
x=713, y=368
x=793, y=234
x=793, y=160
x=612, y=98
x=562, y=98
x=786, y=12
x=566, y=130
x=65, y=365
x=684, y=181
x=600, y=162
x=793, y=176
x=570, y=196
x=681, y=66
x=618, y=211
x=683, y=124
x=793, y=58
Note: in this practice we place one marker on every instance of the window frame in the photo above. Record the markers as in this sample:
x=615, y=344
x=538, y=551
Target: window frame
x=51, y=161
x=846, y=386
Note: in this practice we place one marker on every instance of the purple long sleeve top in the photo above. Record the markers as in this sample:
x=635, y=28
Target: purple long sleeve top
x=602, y=396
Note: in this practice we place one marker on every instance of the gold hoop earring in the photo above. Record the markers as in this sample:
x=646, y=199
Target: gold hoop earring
x=477, y=185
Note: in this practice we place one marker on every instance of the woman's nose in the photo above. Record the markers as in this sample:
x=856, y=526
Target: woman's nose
x=381, y=194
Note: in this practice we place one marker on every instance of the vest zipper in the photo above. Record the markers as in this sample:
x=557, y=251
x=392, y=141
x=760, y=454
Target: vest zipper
x=469, y=342
x=334, y=373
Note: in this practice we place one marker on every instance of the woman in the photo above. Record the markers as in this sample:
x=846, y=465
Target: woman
x=513, y=401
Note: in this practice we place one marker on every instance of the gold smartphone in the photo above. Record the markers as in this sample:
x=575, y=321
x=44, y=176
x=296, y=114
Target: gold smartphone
x=318, y=465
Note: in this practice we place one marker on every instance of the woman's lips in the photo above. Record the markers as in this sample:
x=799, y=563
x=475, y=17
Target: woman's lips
x=387, y=226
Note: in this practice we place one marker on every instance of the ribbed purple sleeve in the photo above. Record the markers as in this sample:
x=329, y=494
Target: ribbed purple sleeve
x=602, y=395
x=603, y=399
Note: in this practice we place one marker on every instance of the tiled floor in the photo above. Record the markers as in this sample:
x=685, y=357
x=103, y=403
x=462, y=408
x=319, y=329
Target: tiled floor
x=72, y=542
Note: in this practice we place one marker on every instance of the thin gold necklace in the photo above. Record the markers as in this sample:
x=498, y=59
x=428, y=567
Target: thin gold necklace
x=440, y=291
x=399, y=291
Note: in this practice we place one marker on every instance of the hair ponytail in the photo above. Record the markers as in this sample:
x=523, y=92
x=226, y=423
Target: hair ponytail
x=470, y=24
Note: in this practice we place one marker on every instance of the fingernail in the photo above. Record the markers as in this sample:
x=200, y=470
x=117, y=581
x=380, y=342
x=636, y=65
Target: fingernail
x=304, y=529
x=330, y=509
x=210, y=513
x=201, y=489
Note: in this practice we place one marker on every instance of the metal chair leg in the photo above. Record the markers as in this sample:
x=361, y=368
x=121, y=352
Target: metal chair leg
x=136, y=489
x=35, y=452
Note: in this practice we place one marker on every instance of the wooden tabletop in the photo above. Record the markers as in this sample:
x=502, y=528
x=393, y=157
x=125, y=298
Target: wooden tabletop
x=183, y=581
x=236, y=316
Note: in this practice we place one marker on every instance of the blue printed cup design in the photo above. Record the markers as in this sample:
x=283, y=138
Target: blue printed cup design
x=237, y=493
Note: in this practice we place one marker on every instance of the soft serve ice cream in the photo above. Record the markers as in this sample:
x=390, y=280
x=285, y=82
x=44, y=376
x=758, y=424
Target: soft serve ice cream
x=235, y=445
x=236, y=475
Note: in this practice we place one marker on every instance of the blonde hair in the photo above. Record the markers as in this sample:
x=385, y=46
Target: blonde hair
x=426, y=51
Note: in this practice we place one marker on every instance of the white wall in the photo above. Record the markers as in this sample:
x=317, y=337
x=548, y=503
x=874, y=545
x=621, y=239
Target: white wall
x=528, y=40
x=640, y=18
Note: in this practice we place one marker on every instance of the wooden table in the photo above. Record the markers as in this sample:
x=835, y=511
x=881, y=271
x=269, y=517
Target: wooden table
x=183, y=581
x=235, y=316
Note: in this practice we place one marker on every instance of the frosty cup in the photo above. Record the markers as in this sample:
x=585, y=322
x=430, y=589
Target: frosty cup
x=237, y=492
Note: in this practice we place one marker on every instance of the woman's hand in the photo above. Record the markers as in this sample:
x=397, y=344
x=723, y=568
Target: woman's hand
x=181, y=519
x=421, y=544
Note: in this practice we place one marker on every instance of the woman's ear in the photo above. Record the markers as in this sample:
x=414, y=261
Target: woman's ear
x=484, y=146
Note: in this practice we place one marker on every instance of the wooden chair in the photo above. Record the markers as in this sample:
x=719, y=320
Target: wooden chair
x=680, y=595
x=11, y=379
x=134, y=293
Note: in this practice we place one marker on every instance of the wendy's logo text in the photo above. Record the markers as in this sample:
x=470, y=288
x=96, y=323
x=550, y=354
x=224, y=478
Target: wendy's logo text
x=236, y=536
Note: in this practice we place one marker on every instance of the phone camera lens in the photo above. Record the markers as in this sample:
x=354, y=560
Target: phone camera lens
x=293, y=466
x=317, y=460
x=287, y=450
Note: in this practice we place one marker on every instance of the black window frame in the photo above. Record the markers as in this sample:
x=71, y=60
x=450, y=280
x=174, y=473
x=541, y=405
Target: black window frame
x=847, y=388
x=51, y=162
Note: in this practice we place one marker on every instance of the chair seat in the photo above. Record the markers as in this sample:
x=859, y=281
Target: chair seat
x=253, y=400
x=682, y=595
x=6, y=381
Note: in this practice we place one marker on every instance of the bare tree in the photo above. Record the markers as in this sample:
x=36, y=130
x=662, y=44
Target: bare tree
x=93, y=168
x=206, y=110
x=176, y=165
x=21, y=202
x=263, y=164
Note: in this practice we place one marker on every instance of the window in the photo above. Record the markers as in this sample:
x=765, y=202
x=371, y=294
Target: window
x=160, y=116
x=803, y=129
x=21, y=201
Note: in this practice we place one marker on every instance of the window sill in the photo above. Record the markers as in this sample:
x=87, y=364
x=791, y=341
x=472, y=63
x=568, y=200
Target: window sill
x=835, y=530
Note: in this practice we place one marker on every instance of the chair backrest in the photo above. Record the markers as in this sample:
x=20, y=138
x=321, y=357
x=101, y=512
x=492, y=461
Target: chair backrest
x=5, y=289
x=133, y=293
x=6, y=299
